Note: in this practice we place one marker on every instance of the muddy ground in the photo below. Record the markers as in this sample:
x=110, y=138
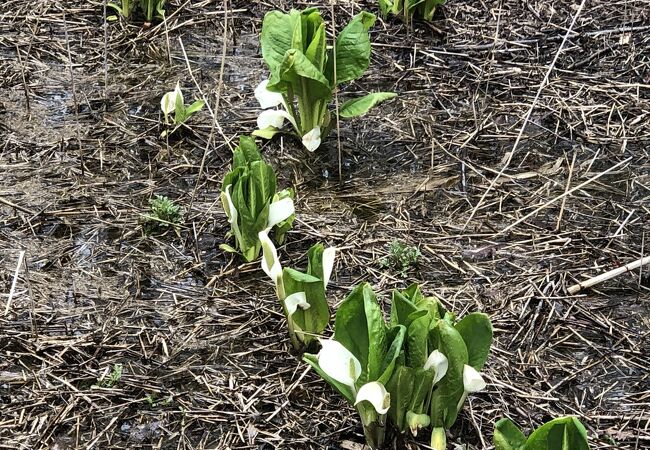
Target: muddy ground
x=517, y=157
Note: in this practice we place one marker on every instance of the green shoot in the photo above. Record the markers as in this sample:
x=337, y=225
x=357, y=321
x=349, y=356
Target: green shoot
x=401, y=257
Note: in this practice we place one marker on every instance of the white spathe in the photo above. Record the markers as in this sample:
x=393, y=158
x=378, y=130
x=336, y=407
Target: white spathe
x=272, y=118
x=168, y=102
x=295, y=301
x=311, y=140
x=328, y=264
x=339, y=363
x=229, y=208
x=439, y=363
x=472, y=380
x=266, y=98
x=375, y=393
x=270, y=261
x=280, y=210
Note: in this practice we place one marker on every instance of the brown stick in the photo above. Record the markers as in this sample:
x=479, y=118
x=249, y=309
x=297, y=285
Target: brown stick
x=608, y=275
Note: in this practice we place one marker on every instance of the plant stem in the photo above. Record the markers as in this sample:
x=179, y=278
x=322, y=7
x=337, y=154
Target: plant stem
x=374, y=426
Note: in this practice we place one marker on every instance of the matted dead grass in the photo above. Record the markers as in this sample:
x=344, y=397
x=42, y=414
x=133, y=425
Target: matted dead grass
x=511, y=191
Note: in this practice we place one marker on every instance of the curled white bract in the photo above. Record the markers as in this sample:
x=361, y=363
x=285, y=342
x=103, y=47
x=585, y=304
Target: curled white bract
x=266, y=98
x=376, y=394
x=270, y=261
x=312, y=139
x=168, y=101
x=280, y=210
x=272, y=118
x=329, y=254
x=339, y=363
x=439, y=363
x=472, y=380
x=295, y=301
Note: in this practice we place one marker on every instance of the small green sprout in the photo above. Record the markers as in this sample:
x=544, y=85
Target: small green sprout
x=153, y=401
x=148, y=7
x=401, y=257
x=173, y=102
x=163, y=213
x=408, y=9
x=112, y=379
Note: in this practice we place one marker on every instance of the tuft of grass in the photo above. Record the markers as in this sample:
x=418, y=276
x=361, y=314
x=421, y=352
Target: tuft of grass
x=401, y=257
x=164, y=213
x=112, y=379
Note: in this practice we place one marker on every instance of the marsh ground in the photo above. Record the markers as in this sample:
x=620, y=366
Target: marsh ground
x=452, y=165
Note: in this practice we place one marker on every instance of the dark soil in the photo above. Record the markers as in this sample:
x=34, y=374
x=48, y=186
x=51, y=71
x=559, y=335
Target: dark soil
x=455, y=165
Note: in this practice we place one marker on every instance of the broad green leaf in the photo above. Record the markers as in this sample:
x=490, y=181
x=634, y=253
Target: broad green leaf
x=351, y=327
x=476, y=330
x=507, y=436
x=400, y=387
x=314, y=319
x=277, y=36
x=359, y=326
x=401, y=309
x=564, y=433
x=352, y=50
x=295, y=70
x=360, y=106
x=449, y=390
x=417, y=340
x=194, y=107
x=344, y=390
x=377, y=334
x=395, y=337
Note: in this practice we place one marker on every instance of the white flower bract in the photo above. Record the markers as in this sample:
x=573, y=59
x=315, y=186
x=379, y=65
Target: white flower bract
x=266, y=98
x=376, y=394
x=280, y=210
x=339, y=363
x=312, y=140
x=295, y=301
x=439, y=363
x=472, y=380
x=328, y=264
x=270, y=261
x=272, y=118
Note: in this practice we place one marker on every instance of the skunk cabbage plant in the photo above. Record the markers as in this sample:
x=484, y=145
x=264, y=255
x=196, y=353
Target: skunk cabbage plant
x=173, y=102
x=302, y=294
x=250, y=200
x=564, y=433
x=408, y=9
x=439, y=366
x=148, y=7
x=359, y=361
x=305, y=72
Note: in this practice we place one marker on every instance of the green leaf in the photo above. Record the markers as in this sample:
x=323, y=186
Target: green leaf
x=449, y=390
x=476, y=330
x=360, y=106
x=395, y=337
x=359, y=326
x=507, y=436
x=564, y=433
x=400, y=387
x=352, y=49
x=416, y=341
x=194, y=107
x=401, y=309
x=295, y=69
x=314, y=319
x=278, y=36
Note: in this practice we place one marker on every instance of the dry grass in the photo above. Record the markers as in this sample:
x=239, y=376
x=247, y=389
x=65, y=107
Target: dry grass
x=200, y=337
